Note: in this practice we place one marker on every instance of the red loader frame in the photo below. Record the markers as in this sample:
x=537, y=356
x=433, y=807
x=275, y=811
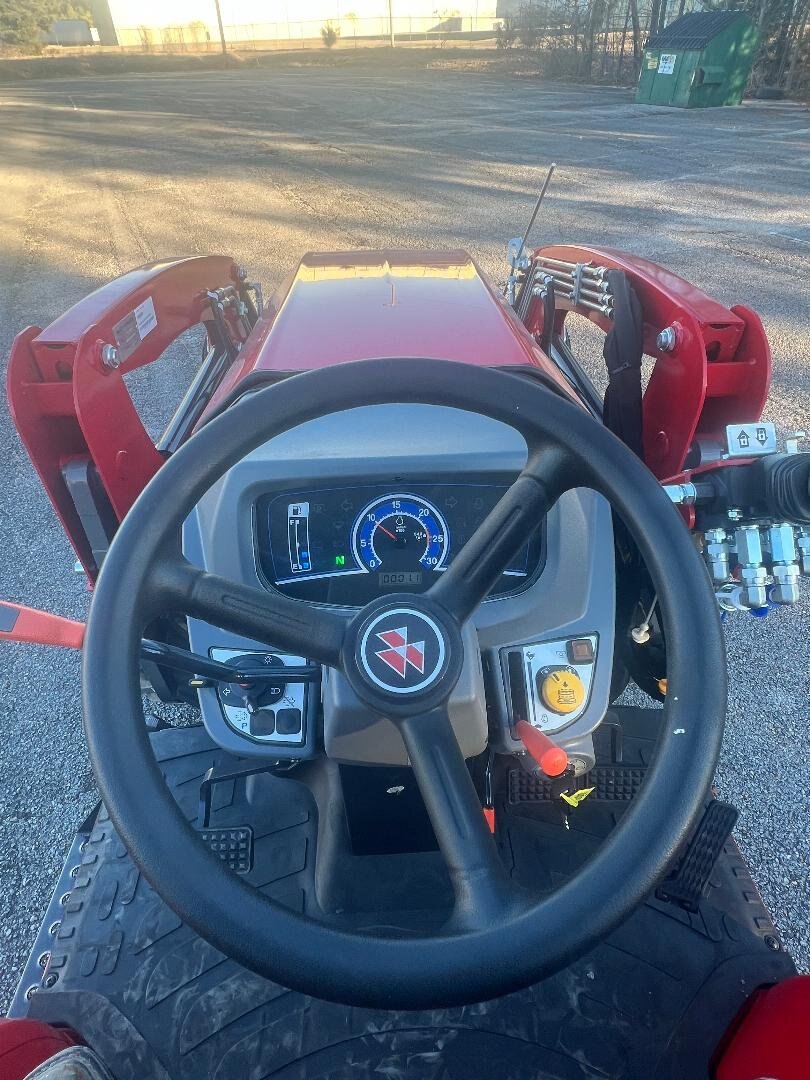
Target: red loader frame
x=69, y=405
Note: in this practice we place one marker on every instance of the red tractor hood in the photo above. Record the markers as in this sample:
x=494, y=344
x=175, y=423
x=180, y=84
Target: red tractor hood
x=340, y=307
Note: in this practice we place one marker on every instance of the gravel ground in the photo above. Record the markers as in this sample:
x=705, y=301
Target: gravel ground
x=99, y=175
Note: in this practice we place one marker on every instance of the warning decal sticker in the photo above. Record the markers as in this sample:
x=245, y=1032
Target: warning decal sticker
x=145, y=317
x=666, y=65
x=133, y=328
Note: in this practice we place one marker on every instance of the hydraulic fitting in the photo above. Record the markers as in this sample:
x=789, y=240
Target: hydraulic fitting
x=718, y=548
x=681, y=494
x=755, y=586
x=753, y=574
x=749, y=545
x=786, y=584
x=803, y=544
x=782, y=542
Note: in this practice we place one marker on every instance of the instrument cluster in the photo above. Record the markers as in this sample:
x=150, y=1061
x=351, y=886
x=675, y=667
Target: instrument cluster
x=348, y=545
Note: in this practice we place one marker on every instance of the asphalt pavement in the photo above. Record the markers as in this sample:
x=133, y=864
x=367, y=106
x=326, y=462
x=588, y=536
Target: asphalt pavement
x=99, y=175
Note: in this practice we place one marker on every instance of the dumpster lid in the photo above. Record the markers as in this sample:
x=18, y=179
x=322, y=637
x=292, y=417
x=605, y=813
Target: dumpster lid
x=694, y=31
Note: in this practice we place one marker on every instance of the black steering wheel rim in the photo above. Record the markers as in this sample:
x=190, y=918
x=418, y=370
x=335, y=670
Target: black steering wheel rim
x=527, y=943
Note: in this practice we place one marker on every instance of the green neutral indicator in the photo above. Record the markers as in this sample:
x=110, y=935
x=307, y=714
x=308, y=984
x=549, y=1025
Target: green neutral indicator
x=340, y=560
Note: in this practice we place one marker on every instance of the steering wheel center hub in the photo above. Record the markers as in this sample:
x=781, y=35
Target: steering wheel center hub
x=402, y=651
x=404, y=655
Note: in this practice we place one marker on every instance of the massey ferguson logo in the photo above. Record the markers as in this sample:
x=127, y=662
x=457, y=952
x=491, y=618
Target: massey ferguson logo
x=402, y=653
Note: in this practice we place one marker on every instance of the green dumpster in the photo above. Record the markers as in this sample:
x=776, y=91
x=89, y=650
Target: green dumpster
x=701, y=60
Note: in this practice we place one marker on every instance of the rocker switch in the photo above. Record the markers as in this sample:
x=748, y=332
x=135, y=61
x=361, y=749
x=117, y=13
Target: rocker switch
x=288, y=721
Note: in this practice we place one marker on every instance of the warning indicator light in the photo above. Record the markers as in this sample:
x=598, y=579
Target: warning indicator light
x=580, y=651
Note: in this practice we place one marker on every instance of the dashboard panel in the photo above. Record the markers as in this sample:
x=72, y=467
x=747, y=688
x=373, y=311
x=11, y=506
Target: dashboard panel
x=430, y=453
x=348, y=545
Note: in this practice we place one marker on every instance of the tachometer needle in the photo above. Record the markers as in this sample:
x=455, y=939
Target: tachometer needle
x=387, y=533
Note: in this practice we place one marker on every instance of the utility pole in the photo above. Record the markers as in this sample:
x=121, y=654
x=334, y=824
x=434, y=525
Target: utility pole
x=390, y=22
x=221, y=29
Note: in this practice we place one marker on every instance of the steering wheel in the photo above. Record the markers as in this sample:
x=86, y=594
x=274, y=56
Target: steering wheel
x=498, y=939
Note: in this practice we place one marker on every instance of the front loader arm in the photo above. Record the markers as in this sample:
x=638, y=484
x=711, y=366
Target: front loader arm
x=712, y=363
x=71, y=406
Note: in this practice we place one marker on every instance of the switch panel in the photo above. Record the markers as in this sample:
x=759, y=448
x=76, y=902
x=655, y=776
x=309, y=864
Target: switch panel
x=550, y=681
x=278, y=721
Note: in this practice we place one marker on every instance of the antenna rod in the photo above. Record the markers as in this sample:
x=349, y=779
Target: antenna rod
x=543, y=189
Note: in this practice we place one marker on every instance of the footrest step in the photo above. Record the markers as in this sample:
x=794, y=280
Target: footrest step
x=611, y=783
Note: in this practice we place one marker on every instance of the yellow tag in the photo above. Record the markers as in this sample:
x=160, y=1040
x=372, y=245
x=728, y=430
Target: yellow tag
x=578, y=796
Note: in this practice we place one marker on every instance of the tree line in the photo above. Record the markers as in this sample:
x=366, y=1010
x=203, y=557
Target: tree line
x=604, y=40
x=24, y=22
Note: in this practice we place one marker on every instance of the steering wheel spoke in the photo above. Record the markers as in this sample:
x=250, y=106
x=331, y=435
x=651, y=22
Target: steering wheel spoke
x=268, y=617
x=475, y=570
x=479, y=881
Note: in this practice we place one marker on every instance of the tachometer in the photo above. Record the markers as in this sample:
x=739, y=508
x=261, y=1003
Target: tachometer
x=399, y=537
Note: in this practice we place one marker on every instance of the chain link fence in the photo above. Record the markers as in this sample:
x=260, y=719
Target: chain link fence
x=346, y=32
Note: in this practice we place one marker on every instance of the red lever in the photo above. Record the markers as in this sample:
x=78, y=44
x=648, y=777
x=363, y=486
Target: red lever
x=18, y=623
x=552, y=759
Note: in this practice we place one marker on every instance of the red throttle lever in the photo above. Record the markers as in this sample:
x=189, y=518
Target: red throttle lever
x=550, y=758
x=18, y=623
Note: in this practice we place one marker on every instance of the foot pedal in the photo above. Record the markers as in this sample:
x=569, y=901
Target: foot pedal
x=686, y=885
x=234, y=846
x=611, y=783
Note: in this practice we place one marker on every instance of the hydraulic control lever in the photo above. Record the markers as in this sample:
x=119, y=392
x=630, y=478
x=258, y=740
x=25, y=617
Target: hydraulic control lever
x=172, y=656
x=551, y=759
x=24, y=624
x=20, y=623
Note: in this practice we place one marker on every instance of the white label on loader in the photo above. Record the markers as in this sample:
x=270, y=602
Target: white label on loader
x=133, y=328
x=666, y=64
x=145, y=317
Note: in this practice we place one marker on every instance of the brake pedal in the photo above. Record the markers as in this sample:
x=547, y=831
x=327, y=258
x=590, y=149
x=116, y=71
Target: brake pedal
x=686, y=885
